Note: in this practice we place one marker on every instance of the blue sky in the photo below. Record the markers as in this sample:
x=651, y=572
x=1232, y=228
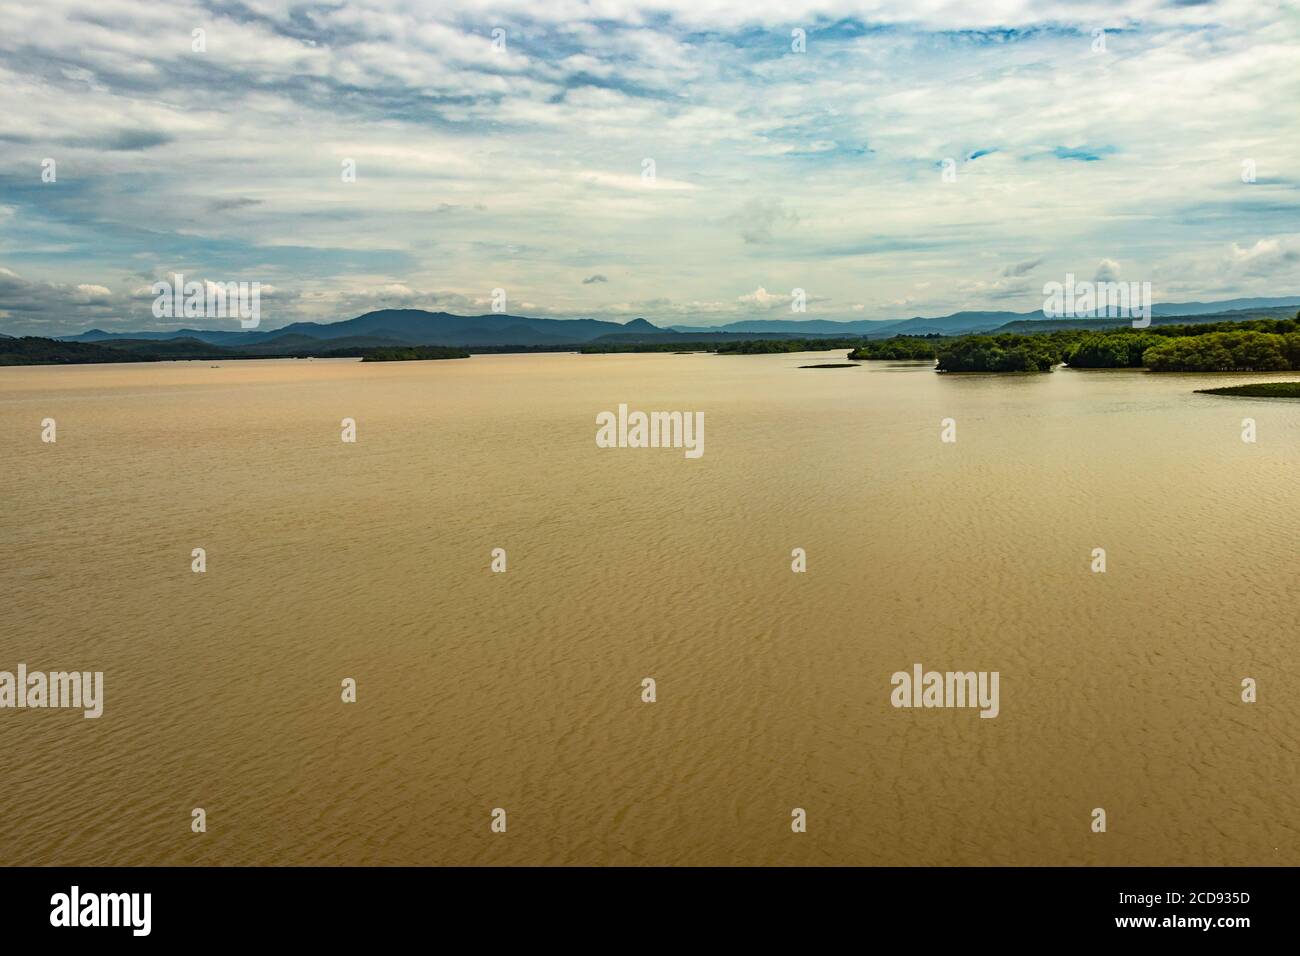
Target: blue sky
x=520, y=166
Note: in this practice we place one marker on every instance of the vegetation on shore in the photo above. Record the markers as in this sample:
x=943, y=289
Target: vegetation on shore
x=34, y=350
x=1243, y=351
x=898, y=348
x=414, y=353
x=1261, y=345
x=777, y=346
x=37, y=351
x=741, y=347
x=618, y=348
x=1257, y=390
x=1254, y=345
x=998, y=353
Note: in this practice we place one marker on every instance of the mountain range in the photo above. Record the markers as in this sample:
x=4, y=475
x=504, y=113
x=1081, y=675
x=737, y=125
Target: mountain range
x=399, y=327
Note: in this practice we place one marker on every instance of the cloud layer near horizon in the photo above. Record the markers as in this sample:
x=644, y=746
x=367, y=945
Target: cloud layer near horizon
x=523, y=166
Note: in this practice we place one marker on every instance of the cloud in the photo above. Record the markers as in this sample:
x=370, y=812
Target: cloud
x=760, y=298
x=633, y=181
x=1266, y=257
x=518, y=168
x=92, y=294
x=1083, y=154
x=1022, y=268
x=758, y=219
x=33, y=307
x=1107, y=271
x=133, y=139
x=231, y=204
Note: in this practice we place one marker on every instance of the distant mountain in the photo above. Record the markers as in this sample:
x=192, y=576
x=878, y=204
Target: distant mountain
x=958, y=323
x=1227, y=305
x=964, y=323
x=1024, y=327
x=211, y=336
x=418, y=327
x=37, y=351
x=410, y=327
x=954, y=324
x=151, y=349
x=639, y=327
x=800, y=327
x=407, y=327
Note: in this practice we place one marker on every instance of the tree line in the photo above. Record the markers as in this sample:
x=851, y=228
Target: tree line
x=1259, y=345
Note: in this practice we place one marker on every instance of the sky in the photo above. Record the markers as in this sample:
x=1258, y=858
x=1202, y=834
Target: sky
x=680, y=160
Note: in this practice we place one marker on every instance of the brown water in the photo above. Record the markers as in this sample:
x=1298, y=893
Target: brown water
x=522, y=690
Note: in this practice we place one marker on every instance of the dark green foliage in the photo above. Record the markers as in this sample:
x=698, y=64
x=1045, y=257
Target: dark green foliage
x=1258, y=345
x=1267, y=344
x=900, y=347
x=605, y=348
x=31, y=350
x=414, y=353
x=762, y=347
x=999, y=353
x=1111, y=350
x=754, y=346
x=1258, y=390
x=1223, y=352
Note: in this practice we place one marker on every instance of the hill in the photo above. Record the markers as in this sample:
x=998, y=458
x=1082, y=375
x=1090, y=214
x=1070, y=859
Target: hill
x=395, y=328
x=38, y=351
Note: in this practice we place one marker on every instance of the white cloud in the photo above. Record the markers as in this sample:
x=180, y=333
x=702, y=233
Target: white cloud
x=523, y=168
x=1108, y=270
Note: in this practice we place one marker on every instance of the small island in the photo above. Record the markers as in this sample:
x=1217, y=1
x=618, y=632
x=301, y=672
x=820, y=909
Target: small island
x=1257, y=390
